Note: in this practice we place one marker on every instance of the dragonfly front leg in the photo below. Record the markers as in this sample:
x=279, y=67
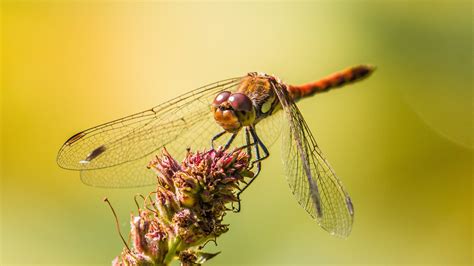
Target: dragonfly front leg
x=258, y=160
x=231, y=139
x=257, y=140
x=218, y=135
x=248, y=146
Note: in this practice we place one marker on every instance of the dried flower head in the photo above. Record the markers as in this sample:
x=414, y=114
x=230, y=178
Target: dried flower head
x=187, y=208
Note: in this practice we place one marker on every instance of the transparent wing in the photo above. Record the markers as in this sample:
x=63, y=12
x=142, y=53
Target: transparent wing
x=270, y=128
x=127, y=175
x=311, y=178
x=135, y=173
x=197, y=137
x=133, y=137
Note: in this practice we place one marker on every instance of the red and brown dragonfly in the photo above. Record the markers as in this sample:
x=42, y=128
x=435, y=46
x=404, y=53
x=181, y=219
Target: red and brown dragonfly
x=251, y=111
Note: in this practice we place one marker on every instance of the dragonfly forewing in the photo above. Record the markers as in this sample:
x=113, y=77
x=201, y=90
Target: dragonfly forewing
x=133, y=137
x=135, y=173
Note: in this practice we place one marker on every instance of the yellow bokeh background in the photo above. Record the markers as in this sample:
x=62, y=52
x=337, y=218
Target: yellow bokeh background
x=401, y=141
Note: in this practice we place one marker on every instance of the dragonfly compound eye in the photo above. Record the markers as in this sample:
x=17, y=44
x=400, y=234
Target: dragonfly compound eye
x=240, y=102
x=221, y=97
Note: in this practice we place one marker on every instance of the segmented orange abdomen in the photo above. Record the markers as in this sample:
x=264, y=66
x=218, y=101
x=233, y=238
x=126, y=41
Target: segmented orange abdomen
x=335, y=80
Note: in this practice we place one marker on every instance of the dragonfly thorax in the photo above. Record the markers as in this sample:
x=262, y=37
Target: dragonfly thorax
x=232, y=111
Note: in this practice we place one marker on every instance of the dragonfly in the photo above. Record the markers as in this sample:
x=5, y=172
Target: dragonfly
x=250, y=111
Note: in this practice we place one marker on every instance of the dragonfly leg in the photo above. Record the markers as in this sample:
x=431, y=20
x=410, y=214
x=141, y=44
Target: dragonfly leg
x=231, y=139
x=248, y=144
x=218, y=135
x=258, y=142
x=248, y=147
x=258, y=161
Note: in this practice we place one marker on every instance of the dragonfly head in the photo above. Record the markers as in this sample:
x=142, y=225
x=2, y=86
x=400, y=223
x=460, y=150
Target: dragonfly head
x=232, y=111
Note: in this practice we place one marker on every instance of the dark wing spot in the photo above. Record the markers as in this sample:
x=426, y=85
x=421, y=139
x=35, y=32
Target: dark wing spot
x=74, y=138
x=350, y=206
x=94, y=154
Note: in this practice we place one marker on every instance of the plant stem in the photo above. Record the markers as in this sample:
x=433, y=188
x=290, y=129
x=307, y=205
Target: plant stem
x=172, y=251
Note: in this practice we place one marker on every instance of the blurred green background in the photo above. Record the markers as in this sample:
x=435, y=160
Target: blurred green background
x=401, y=141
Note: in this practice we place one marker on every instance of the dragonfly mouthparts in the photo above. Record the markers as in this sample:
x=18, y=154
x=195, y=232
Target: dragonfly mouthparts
x=223, y=108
